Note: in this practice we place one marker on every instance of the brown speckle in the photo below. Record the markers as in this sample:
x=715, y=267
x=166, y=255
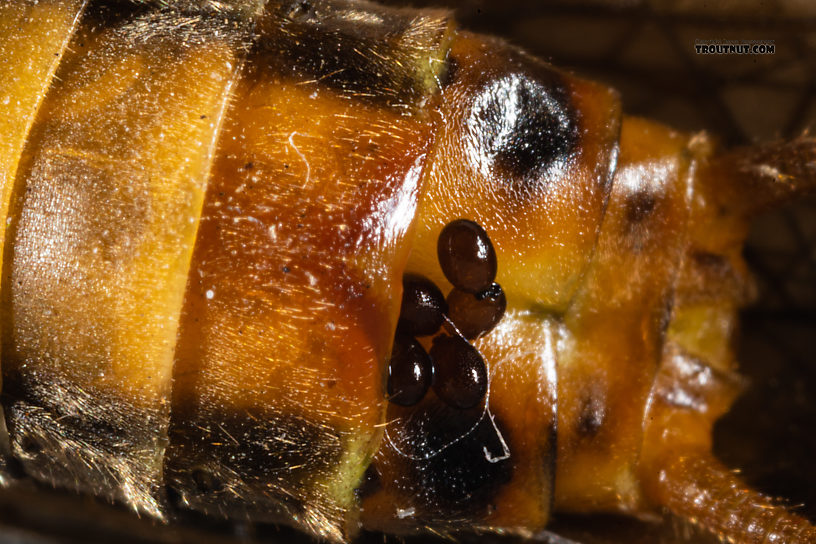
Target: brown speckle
x=370, y=485
x=204, y=481
x=711, y=261
x=30, y=445
x=449, y=72
x=591, y=417
x=639, y=206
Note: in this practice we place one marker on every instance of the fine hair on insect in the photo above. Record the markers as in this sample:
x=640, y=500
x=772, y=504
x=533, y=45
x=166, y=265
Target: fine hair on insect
x=373, y=271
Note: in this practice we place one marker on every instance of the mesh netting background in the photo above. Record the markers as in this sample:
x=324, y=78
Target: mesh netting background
x=646, y=50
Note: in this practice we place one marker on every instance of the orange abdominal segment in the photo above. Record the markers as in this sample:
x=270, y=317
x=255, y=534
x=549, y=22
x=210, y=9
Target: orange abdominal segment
x=107, y=200
x=537, y=186
x=697, y=379
x=514, y=155
x=33, y=37
x=492, y=464
x=292, y=302
x=271, y=339
x=616, y=323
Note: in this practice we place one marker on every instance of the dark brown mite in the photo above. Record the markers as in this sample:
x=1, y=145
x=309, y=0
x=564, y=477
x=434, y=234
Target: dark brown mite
x=475, y=315
x=409, y=372
x=466, y=256
x=423, y=306
x=460, y=374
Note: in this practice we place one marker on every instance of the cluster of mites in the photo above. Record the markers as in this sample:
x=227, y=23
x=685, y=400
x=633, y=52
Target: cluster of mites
x=453, y=367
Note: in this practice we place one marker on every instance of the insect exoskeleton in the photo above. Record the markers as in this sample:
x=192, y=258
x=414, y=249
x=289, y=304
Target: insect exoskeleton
x=337, y=265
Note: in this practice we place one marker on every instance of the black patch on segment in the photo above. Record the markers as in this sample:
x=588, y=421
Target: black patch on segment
x=109, y=13
x=526, y=127
x=370, y=485
x=449, y=73
x=592, y=416
x=13, y=468
x=542, y=135
x=376, y=55
x=89, y=430
x=666, y=312
x=242, y=463
x=93, y=452
x=113, y=13
x=206, y=482
x=30, y=445
x=262, y=447
x=639, y=206
x=300, y=9
x=459, y=480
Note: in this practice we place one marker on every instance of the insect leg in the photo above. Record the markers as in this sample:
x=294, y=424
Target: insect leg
x=698, y=487
x=760, y=176
x=679, y=472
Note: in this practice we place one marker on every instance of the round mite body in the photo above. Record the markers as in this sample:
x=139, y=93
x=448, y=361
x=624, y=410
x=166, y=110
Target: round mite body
x=343, y=266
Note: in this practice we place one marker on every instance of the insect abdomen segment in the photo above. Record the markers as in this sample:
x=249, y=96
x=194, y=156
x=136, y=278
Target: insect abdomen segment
x=301, y=238
x=210, y=218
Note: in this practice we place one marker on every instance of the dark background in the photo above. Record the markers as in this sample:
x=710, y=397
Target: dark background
x=646, y=50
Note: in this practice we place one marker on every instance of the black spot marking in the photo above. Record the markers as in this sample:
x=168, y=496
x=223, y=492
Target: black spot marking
x=174, y=497
x=666, y=312
x=591, y=417
x=300, y=9
x=713, y=262
x=371, y=58
x=14, y=468
x=540, y=137
x=524, y=129
x=205, y=481
x=449, y=73
x=220, y=450
x=30, y=446
x=370, y=485
x=459, y=480
x=639, y=206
